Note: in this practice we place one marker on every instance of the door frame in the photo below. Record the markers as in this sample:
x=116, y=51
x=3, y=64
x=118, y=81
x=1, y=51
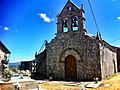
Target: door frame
x=73, y=74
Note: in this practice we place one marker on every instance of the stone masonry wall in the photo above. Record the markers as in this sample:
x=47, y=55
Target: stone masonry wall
x=118, y=59
x=108, y=59
x=82, y=46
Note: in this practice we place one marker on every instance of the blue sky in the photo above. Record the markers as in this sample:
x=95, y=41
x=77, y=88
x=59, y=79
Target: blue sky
x=25, y=24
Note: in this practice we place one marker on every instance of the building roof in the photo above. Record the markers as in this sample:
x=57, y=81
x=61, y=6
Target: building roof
x=4, y=48
x=113, y=48
x=70, y=1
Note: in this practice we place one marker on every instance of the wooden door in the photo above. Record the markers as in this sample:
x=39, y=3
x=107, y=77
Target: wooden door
x=70, y=68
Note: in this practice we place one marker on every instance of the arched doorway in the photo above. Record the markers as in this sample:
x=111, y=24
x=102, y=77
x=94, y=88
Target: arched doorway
x=70, y=68
x=114, y=66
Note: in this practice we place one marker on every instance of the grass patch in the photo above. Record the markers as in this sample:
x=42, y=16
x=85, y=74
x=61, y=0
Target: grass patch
x=109, y=77
x=58, y=86
x=113, y=80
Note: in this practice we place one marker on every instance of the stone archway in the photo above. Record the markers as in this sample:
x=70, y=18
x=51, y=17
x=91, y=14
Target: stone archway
x=70, y=51
x=70, y=68
x=63, y=57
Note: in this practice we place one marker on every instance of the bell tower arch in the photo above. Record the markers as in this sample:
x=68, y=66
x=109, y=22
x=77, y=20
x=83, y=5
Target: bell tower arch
x=71, y=18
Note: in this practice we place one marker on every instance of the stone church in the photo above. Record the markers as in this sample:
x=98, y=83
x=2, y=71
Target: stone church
x=74, y=54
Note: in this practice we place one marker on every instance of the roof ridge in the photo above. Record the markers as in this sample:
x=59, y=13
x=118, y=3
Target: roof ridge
x=70, y=1
x=74, y=4
x=4, y=46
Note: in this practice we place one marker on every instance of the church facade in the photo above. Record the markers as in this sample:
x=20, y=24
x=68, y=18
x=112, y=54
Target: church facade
x=74, y=54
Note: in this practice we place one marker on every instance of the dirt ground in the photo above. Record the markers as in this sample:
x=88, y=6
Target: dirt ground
x=6, y=87
x=111, y=83
x=55, y=85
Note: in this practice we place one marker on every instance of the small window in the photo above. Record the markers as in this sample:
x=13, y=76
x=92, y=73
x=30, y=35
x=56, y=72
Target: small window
x=70, y=8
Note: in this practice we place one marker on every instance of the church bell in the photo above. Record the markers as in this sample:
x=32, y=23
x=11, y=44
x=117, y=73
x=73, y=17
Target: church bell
x=65, y=24
x=74, y=22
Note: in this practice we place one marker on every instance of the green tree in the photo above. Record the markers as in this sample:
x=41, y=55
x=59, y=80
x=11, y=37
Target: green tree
x=7, y=74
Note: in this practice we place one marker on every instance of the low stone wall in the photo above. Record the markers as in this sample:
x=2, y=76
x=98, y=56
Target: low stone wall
x=7, y=86
x=24, y=85
x=28, y=85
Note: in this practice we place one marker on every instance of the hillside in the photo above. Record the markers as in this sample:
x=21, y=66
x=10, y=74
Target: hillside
x=15, y=64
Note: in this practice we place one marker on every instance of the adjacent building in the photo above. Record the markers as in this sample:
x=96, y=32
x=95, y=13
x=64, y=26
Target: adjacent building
x=26, y=65
x=4, y=57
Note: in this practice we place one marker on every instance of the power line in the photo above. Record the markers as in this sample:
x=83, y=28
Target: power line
x=96, y=21
x=93, y=16
x=114, y=40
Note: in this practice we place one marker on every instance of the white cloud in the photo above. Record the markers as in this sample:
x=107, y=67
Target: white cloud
x=118, y=18
x=49, y=12
x=6, y=28
x=16, y=30
x=53, y=19
x=45, y=17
